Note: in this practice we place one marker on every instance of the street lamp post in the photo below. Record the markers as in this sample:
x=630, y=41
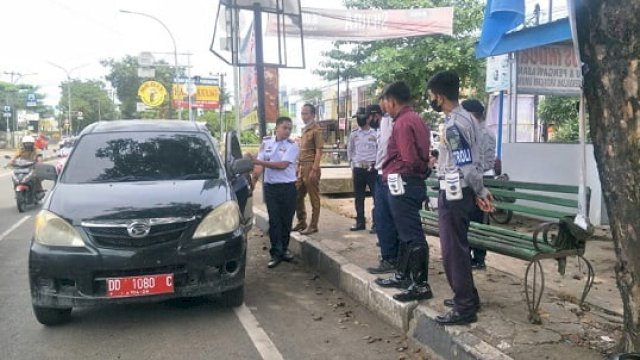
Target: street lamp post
x=68, y=73
x=173, y=40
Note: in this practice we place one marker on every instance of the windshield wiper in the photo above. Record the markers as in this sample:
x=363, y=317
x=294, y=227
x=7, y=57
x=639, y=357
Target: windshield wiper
x=203, y=176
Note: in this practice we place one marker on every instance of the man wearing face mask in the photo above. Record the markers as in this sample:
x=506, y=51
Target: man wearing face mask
x=460, y=171
x=404, y=171
x=361, y=152
x=311, y=143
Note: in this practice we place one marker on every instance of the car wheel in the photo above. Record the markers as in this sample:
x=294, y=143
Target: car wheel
x=233, y=298
x=52, y=316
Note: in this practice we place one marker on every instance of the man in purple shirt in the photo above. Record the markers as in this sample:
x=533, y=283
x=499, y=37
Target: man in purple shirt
x=408, y=161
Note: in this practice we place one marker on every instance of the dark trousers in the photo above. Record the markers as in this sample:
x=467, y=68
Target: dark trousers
x=453, y=222
x=385, y=227
x=477, y=215
x=361, y=179
x=405, y=210
x=281, y=206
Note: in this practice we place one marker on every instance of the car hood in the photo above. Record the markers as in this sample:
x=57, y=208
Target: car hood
x=137, y=200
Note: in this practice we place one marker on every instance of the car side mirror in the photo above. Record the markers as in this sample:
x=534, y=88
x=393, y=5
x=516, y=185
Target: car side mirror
x=46, y=172
x=242, y=166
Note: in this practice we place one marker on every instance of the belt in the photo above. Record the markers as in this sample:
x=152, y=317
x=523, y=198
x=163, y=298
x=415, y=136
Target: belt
x=281, y=184
x=410, y=181
x=364, y=164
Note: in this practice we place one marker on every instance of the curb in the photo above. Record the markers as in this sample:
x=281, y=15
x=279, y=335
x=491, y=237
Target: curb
x=417, y=321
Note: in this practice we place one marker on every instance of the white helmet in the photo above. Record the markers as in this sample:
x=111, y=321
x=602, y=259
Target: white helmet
x=28, y=139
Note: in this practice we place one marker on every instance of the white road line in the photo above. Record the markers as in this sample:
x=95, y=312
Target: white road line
x=15, y=226
x=260, y=339
x=5, y=174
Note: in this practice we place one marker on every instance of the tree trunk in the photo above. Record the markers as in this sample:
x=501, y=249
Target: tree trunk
x=609, y=36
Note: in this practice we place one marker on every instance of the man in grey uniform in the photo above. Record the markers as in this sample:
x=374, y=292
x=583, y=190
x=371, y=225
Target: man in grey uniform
x=461, y=187
x=278, y=156
x=385, y=228
x=488, y=155
x=361, y=152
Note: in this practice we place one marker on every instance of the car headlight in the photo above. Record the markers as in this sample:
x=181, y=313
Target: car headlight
x=222, y=220
x=52, y=230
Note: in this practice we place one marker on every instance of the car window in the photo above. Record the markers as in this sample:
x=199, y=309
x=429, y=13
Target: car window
x=141, y=156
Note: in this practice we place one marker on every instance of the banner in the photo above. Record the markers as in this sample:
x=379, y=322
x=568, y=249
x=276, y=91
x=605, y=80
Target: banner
x=549, y=70
x=370, y=25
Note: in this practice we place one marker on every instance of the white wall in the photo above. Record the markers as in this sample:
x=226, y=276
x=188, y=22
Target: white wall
x=557, y=164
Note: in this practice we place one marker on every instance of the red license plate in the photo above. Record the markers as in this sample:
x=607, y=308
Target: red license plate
x=140, y=285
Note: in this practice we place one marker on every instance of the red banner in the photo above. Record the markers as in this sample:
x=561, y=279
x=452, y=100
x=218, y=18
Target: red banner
x=371, y=25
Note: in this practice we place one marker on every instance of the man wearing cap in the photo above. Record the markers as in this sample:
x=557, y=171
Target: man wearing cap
x=488, y=159
x=361, y=152
x=385, y=227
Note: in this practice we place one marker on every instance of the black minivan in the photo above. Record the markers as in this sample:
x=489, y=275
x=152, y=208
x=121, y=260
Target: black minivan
x=143, y=211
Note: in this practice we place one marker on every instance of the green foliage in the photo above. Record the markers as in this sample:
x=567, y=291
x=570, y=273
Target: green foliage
x=416, y=59
x=89, y=97
x=15, y=95
x=212, y=118
x=561, y=112
x=249, y=137
x=123, y=76
x=311, y=94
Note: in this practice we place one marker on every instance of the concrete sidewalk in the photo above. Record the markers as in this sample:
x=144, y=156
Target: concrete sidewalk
x=502, y=332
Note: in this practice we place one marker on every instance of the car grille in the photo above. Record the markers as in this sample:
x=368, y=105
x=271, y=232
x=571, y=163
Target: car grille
x=118, y=237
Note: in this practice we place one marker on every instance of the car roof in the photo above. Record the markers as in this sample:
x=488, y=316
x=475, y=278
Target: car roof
x=144, y=125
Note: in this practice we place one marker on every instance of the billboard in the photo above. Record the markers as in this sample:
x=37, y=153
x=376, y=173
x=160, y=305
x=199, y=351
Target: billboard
x=205, y=92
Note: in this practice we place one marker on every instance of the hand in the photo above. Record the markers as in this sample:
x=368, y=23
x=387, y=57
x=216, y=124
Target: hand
x=251, y=156
x=486, y=203
x=314, y=175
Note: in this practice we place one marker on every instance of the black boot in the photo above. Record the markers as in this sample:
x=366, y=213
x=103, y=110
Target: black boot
x=418, y=267
x=400, y=279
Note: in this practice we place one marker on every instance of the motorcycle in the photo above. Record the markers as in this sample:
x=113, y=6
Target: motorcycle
x=24, y=177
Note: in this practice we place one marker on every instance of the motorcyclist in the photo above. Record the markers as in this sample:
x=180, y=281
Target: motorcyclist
x=29, y=152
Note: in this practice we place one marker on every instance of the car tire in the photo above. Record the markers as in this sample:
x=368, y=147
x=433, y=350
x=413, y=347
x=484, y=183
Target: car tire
x=233, y=298
x=52, y=316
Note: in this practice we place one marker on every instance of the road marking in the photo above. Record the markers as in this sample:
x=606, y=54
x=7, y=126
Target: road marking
x=15, y=226
x=261, y=340
x=5, y=174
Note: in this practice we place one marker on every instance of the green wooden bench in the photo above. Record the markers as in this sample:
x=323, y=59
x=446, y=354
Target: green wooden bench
x=556, y=237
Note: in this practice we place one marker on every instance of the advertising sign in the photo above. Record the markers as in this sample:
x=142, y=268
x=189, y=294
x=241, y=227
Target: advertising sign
x=549, y=70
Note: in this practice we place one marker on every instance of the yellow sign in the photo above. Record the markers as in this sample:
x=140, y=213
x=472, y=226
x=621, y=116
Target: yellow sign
x=203, y=92
x=152, y=93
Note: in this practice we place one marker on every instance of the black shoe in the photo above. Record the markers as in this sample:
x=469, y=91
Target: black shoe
x=384, y=267
x=478, y=266
x=394, y=281
x=275, y=261
x=415, y=292
x=373, y=229
x=358, y=227
x=455, y=318
x=451, y=303
x=288, y=257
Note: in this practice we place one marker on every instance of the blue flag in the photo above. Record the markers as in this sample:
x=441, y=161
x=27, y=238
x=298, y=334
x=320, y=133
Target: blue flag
x=500, y=16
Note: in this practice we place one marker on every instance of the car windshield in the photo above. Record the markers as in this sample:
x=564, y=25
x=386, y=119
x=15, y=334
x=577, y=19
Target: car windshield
x=141, y=156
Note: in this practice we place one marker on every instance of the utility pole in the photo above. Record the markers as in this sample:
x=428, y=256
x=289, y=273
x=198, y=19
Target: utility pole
x=221, y=104
x=68, y=73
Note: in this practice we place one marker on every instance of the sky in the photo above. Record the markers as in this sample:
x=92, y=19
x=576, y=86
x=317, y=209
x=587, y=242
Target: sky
x=77, y=34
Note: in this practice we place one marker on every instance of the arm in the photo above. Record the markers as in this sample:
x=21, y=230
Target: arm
x=350, y=148
x=255, y=176
x=278, y=165
x=410, y=140
x=314, y=174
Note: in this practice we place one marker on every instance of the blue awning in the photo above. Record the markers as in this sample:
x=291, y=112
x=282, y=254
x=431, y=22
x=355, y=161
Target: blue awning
x=535, y=36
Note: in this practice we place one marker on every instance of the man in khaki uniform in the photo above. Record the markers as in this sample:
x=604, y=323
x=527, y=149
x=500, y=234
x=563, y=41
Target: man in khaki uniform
x=311, y=143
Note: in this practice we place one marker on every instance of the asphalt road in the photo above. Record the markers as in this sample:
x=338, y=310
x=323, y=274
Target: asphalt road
x=289, y=313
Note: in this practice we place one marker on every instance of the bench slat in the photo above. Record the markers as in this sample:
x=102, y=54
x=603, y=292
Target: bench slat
x=566, y=189
x=508, y=250
x=554, y=214
x=535, y=197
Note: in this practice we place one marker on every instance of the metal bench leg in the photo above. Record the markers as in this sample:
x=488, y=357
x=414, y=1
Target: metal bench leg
x=591, y=274
x=534, y=299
